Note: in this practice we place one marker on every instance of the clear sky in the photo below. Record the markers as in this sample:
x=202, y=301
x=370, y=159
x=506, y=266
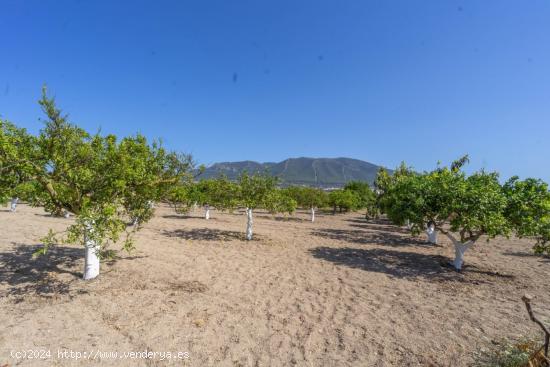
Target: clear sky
x=383, y=81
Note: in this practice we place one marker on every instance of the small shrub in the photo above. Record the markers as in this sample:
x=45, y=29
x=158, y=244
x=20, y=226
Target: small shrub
x=506, y=354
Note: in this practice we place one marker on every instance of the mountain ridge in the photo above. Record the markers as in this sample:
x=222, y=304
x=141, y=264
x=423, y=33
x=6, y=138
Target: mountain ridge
x=307, y=171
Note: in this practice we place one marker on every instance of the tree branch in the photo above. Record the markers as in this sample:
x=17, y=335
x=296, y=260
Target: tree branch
x=527, y=300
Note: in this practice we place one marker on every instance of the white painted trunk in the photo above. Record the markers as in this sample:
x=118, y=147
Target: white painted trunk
x=207, y=212
x=312, y=214
x=460, y=249
x=408, y=224
x=13, y=205
x=249, y=222
x=135, y=222
x=432, y=235
x=91, y=259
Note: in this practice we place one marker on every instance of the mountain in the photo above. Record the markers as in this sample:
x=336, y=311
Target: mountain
x=319, y=172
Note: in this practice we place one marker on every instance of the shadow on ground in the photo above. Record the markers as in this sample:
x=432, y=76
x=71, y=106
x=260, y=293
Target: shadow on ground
x=24, y=274
x=401, y=264
x=384, y=238
x=541, y=258
x=48, y=275
x=280, y=218
x=205, y=234
x=213, y=217
x=378, y=225
x=181, y=216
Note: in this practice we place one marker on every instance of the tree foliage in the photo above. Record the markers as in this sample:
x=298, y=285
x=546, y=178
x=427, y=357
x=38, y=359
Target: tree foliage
x=104, y=181
x=220, y=193
x=307, y=197
x=256, y=191
x=528, y=210
x=344, y=200
x=470, y=206
x=366, y=196
x=15, y=143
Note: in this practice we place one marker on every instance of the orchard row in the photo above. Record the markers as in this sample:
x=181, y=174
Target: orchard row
x=107, y=183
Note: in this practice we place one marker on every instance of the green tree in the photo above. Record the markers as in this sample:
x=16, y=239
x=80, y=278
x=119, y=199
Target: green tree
x=201, y=193
x=219, y=193
x=105, y=182
x=343, y=200
x=280, y=202
x=308, y=198
x=384, y=180
x=367, y=197
x=529, y=210
x=14, y=144
x=259, y=191
x=465, y=208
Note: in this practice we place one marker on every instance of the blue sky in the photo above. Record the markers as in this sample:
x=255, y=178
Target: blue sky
x=384, y=81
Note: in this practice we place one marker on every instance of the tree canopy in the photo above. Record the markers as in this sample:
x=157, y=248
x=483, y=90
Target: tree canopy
x=103, y=180
x=307, y=197
x=467, y=207
x=366, y=196
x=344, y=200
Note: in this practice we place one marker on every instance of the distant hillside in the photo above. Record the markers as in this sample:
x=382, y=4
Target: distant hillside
x=319, y=172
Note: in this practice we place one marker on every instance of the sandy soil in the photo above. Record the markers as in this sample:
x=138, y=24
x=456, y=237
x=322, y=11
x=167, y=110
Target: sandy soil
x=337, y=292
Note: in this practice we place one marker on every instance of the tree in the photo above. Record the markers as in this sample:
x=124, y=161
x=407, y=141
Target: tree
x=367, y=197
x=465, y=208
x=102, y=180
x=201, y=193
x=384, y=181
x=343, y=200
x=14, y=144
x=280, y=202
x=308, y=197
x=260, y=191
x=219, y=193
x=529, y=210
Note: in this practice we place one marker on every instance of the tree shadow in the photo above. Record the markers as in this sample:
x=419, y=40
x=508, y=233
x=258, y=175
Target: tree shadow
x=180, y=216
x=401, y=264
x=370, y=238
x=373, y=220
x=48, y=275
x=206, y=234
x=383, y=227
x=280, y=218
x=378, y=225
x=25, y=274
x=188, y=216
x=542, y=258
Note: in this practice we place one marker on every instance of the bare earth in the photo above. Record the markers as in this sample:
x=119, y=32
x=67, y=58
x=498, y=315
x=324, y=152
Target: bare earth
x=337, y=292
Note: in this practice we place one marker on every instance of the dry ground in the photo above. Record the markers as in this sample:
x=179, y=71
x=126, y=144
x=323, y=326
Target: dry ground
x=338, y=292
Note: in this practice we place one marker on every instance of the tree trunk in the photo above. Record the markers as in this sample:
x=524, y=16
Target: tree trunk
x=312, y=215
x=408, y=223
x=334, y=210
x=249, y=222
x=207, y=212
x=460, y=249
x=91, y=259
x=432, y=235
x=13, y=205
